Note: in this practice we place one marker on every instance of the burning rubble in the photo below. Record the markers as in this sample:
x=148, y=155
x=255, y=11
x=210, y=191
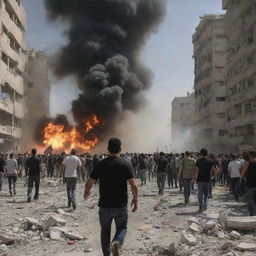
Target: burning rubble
x=104, y=42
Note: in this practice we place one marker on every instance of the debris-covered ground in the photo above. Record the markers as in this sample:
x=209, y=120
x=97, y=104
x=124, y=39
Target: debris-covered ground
x=162, y=225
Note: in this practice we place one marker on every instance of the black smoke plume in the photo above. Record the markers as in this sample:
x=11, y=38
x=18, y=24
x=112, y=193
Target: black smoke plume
x=104, y=41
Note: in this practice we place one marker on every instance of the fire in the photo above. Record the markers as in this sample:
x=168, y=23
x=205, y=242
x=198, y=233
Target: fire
x=57, y=136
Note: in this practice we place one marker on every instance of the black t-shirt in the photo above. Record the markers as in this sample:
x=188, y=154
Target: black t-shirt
x=205, y=166
x=2, y=164
x=142, y=164
x=162, y=165
x=33, y=165
x=113, y=174
x=251, y=176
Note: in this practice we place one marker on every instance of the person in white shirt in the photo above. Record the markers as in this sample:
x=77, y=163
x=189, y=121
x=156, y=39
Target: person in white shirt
x=72, y=165
x=234, y=171
x=11, y=172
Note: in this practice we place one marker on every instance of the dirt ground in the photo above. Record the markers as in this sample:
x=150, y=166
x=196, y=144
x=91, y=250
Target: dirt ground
x=158, y=222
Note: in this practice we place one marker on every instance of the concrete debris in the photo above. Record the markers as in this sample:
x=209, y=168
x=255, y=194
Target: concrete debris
x=226, y=246
x=55, y=235
x=145, y=227
x=54, y=220
x=193, y=220
x=32, y=221
x=246, y=247
x=4, y=239
x=241, y=223
x=61, y=211
x=195, y=227
x=188, y=239
x=73, y=236
x=235, y=235
x=209, y=225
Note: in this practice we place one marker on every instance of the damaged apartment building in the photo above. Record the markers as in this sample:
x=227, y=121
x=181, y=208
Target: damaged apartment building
x=225, y=79
x=12, y=67
x=24, y=83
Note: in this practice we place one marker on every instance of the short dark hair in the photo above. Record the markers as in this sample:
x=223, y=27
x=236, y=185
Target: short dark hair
x=161, y=153
x=187, y=153
x=11, y=155
x=252, y=154
x=204, y=152
x=73, y=151
x=114, y=145
x=33, y=151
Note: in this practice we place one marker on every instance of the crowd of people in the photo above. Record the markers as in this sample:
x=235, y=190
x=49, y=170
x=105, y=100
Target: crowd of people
x=178, y=171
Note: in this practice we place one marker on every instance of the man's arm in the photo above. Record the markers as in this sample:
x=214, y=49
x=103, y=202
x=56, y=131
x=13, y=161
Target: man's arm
x=134, y=189
x=244, y=170
x=88, y=186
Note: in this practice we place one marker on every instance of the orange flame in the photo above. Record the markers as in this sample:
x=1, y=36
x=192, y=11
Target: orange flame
x=58, y=137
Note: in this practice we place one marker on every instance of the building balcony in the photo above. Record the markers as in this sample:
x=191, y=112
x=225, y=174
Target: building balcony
x=19, y=110
x=13, y=28
x=19, y=10
x=5, y=45
x=242, y=120
x=14, y=80
x=8, y=130
x=245, y=95
x=6, y=106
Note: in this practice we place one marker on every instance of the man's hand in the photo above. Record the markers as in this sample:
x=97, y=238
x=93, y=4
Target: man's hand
x=88, y=186
x=134, y=206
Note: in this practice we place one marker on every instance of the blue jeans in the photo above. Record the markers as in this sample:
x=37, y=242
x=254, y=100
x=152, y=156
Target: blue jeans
x=107, y=215
x=203, y=190
x=187, y=189
x=251, y=200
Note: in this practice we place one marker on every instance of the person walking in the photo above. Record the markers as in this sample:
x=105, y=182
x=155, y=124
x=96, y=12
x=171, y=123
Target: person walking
x=113, y=174
x=205, y=170
x=234, y=172
x=187, y=173
x=142, y=170
x=249, y=171
x=12, y=173
x=2, y=170
x=72, y=165
x=177, y=161
x=162, y=164
x=33, y=172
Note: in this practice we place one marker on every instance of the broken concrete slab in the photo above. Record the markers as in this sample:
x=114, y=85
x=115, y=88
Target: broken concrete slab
x=188, y=239
x=246, y=247
x=195, y=227
x=145, y=227
x=74, y=236
x=61, y=211
x=53, y=220
x=4, y=239
x=55, y=235
x=193, y=220
x=235, y=235
x=241, y=223
x=32, y=221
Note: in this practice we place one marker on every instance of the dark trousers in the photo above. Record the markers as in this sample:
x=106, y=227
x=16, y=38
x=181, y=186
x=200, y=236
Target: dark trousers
x=173, y=178
x=71, y=189
x=12, y=182
x=234, y=185
x=33, y=179
x=187, y=189
x=107, y=215
x=251, y=200
x=50, y=171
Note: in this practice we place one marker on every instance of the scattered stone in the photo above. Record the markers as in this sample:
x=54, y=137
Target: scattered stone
x=213, y=216
x=53, y=221
x=145, y=227
x=55, y=235
x=220, y=234
x=7, y=240
x=195, y=227
x=227, y=245
x=16, y=230
x=32, y=221
x=3, y=248
x=73, y=236
x=209, y=225
x=241, y=223
x=192, y=220
x=246, y=247
x=172, y=249
x=188, y=239
x=61, y=211
x=235, y=235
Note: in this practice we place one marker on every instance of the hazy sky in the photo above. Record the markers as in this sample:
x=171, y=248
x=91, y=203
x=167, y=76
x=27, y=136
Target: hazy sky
x=168, y=53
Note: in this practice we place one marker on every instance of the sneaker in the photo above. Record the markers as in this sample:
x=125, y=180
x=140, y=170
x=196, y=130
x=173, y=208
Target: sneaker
x=29, y=199
x=11, y=193
x=205, y=208
x=74, y=205
x=36, y=198
x=115, y=249
x=69, y=204
x=200, y=208
x=14, y=191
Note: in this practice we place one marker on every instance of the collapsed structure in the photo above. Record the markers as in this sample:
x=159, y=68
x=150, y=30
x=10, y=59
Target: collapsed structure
x=223, y=118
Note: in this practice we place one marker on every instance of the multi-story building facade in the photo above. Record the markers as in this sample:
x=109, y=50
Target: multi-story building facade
x=210, y=47
x=12, y=66
x=240, y=23
x=183, y=109
x=37, y=95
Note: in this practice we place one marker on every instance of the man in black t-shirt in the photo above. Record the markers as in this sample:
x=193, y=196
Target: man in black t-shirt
x=33, y=171
x=162, y=169
x=205, y=170
x=113, y=173
x=2, y=168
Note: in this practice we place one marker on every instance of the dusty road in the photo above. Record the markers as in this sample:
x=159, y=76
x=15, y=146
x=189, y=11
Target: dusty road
x=158, y=223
